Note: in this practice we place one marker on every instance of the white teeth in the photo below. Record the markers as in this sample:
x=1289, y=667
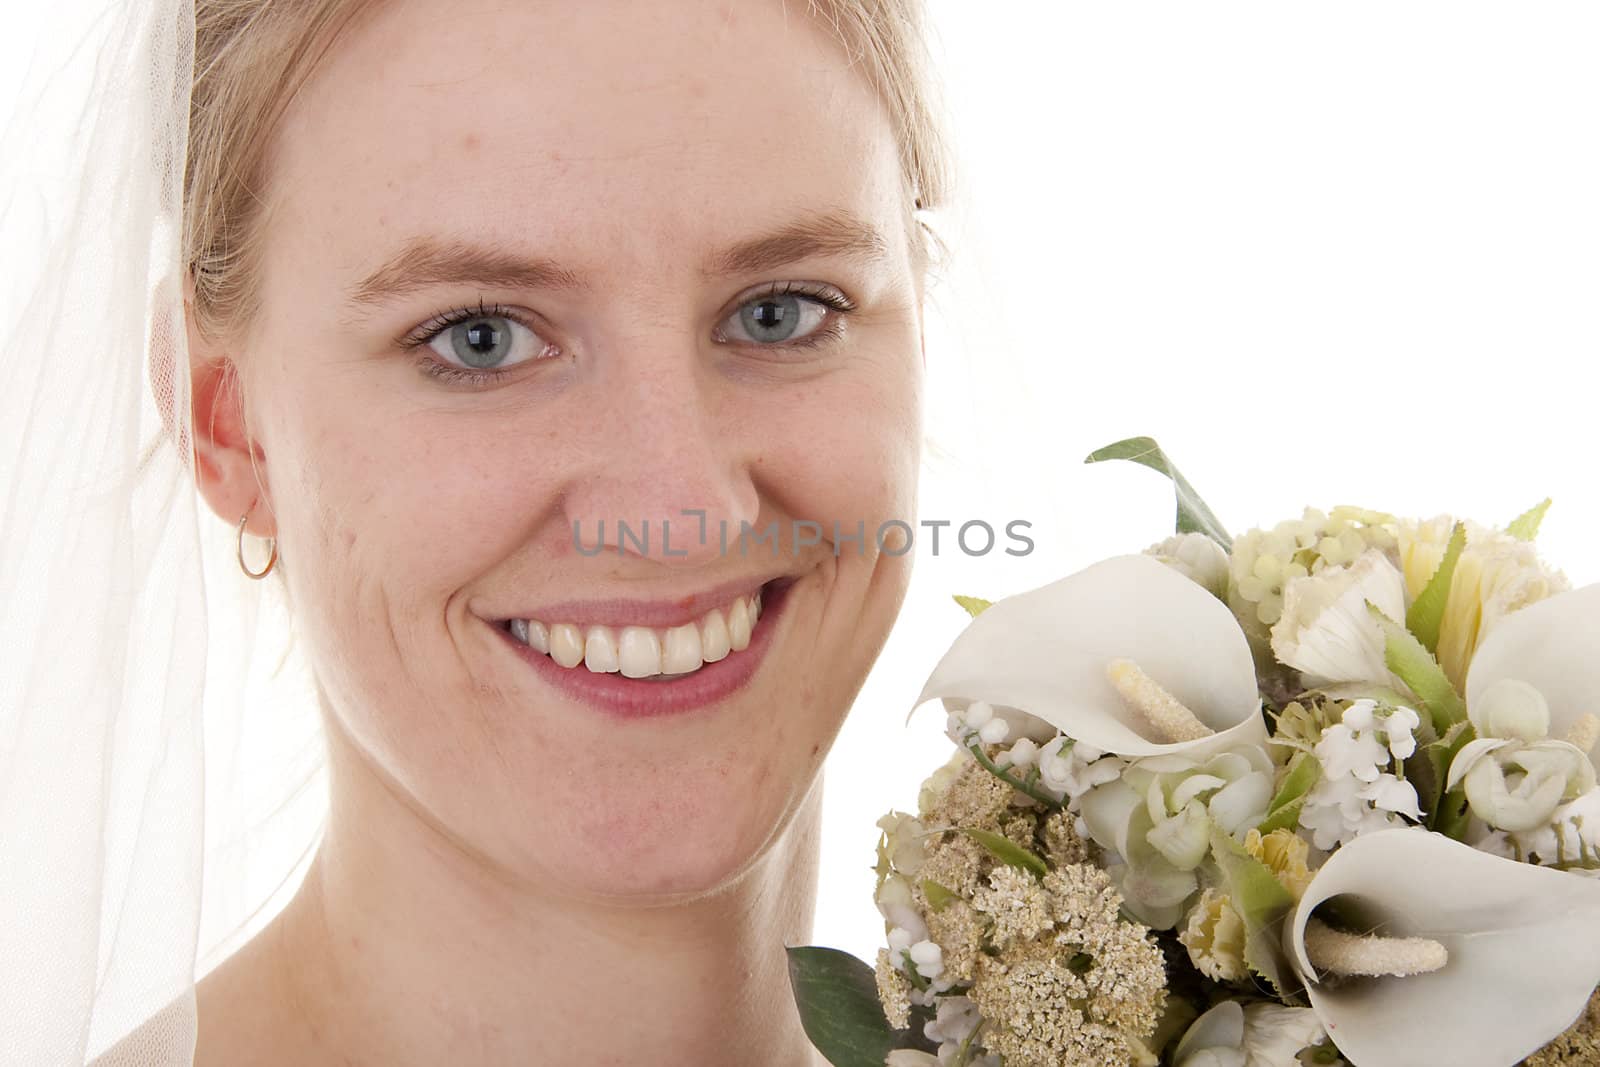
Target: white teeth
x=642, y=651
x=714, y=636
x=739, y=625
x=538, y=636
x=680, y=652
x=566, y=644
x=600, y=650
x=639, y=652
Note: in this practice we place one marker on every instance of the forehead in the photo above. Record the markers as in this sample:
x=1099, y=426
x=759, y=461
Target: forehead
x=589, y=129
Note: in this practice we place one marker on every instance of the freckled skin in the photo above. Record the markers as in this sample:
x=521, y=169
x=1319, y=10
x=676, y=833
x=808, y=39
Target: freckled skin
x=405, y=507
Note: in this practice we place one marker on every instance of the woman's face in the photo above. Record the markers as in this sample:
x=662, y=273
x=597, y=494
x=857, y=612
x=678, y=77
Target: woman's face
x=536, y=265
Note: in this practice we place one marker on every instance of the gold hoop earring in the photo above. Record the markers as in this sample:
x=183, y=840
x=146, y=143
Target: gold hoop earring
x=272, y=560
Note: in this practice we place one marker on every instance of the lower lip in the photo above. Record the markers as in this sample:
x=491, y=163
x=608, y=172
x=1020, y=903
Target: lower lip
x=638, y=698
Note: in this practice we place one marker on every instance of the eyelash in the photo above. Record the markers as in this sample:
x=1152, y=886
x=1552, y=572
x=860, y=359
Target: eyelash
x=419, y=338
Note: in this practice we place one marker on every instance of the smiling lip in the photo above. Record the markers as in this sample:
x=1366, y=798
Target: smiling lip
x=634, y=698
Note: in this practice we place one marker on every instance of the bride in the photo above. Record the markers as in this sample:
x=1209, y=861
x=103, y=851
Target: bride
x=560, y=365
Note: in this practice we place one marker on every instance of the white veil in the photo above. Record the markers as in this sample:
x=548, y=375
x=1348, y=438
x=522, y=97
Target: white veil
x=116, y=713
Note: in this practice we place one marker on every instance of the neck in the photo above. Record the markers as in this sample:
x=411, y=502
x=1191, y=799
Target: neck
x=403, y=949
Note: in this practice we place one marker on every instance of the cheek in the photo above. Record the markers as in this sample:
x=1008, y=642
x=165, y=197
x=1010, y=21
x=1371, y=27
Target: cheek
x=847, y=450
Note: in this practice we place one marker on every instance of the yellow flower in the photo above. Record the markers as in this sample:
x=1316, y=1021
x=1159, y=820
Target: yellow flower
x=1496, y=575
x=1285, y=853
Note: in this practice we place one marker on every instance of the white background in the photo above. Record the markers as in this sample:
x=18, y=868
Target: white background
x=1325, y=254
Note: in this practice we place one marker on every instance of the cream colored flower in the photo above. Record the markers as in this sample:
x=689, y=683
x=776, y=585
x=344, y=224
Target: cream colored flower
x=904, y=847
x=1196, y=557
x=1158, y=818
x=1265, y=561
x=1326, y=631
x=1515, y=786
x=1496, y=575
x=1260, y=1034
x=1214, y=936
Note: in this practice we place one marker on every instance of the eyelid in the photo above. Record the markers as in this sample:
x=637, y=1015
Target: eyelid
x=833, y=299
x=440, y=321
x=822, y=292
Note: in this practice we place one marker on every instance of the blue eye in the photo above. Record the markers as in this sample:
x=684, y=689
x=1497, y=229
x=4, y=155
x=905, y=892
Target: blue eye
x=486, y=342
x=781, y=316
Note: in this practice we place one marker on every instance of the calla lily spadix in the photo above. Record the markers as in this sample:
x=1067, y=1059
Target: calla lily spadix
x=1520, y=948
x=1554, y=646
x=1052, y=653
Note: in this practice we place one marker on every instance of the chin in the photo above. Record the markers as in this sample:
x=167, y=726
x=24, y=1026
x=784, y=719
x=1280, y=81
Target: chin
x=678, y=844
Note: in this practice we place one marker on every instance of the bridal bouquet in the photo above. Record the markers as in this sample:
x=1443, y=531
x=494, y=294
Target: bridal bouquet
x=1323, y=794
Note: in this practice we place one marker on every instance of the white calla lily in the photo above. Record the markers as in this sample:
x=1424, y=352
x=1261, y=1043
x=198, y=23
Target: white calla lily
x=1521, y=947
x=1047, y=652
x=1551, y=646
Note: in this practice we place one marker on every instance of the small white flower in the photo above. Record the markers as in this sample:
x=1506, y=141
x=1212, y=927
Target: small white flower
x=1022, y=754
x=1398, y=729
x=1338, y=811
x=994, y=731
x=955, y=1020
x=978, y=713
x=1073, y=769
x=929, y=958
x=1391, y=794
x=1346, y=752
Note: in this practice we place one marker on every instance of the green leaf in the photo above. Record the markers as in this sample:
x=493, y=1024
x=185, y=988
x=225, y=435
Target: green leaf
x=837, y=996
x=938, y=896
x=1415, y=666
x=1525, y=527
x=1284, y=811
x=1193, y=514
x=1446, y=812
x=1453, y=815
x=1428, y=611
x=973, y=604
x=1262, y=902
x=1008, y=851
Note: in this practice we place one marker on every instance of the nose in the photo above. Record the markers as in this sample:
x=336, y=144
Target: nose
x=664, y=474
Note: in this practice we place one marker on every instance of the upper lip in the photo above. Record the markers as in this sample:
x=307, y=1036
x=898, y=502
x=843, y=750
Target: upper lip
x=664, y=612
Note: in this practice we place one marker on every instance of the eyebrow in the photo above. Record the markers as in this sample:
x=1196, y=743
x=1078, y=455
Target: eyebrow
x=427, y=261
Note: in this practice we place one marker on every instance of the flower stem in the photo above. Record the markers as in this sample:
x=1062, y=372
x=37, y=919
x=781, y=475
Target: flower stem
x=1010, y=779
x=964, y=1054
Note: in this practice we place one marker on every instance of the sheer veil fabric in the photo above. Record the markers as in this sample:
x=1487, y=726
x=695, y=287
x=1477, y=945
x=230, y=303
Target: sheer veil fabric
x=142, y=756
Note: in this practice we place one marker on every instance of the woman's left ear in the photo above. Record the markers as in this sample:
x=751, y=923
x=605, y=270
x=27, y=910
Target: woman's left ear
x=226, y=461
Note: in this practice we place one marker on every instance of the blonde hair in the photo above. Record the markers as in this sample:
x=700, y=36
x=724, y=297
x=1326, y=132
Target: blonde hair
x=252, y=57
